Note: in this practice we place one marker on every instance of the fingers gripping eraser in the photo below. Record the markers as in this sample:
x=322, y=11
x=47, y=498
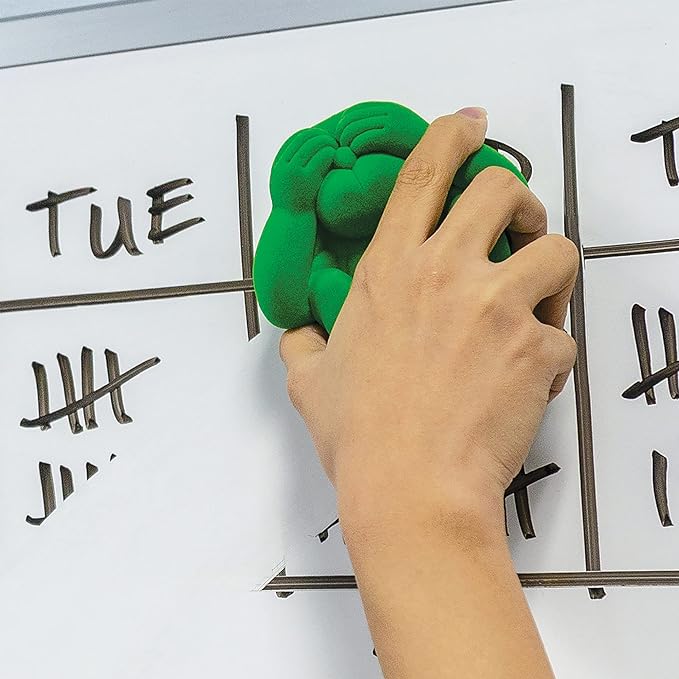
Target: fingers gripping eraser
x=329, y=186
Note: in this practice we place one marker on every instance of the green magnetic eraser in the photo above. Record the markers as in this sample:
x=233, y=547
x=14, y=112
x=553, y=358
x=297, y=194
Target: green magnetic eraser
x=329, y=186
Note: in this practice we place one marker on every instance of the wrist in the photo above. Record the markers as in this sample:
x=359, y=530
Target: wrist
x=464, y=512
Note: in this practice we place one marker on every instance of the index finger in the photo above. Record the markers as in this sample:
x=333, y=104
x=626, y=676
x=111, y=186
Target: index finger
x=415, y=204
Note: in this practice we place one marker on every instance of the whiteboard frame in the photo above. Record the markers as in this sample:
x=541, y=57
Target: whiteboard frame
x=125, y=25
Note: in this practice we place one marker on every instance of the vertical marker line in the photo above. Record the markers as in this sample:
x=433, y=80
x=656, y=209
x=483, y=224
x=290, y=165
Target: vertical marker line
x=643, y=348
x=583, y=405
x=245, y=219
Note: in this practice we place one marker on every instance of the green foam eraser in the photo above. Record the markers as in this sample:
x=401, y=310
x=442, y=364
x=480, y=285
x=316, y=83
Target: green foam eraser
x=329, y=186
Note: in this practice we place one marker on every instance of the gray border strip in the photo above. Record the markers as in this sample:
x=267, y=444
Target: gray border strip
x=113, y=28
x=68, y=10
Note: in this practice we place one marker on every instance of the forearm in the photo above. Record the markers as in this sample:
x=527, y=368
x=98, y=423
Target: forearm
x=442, y=598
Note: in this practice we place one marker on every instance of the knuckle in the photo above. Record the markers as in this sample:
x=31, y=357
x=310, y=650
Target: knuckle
x=564, y=251
x=502, y=180
x=417, y=172
x=570, y=348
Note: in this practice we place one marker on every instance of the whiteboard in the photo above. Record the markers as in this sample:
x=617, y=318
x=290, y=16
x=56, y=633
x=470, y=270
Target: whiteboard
x=150, y=567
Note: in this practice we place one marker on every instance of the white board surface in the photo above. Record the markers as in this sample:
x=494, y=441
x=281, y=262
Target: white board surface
x=147, y=568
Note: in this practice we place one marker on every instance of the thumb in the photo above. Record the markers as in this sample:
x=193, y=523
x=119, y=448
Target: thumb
x=301, y=343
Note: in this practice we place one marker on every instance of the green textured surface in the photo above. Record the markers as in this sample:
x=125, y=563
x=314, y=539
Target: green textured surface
x=329, y=185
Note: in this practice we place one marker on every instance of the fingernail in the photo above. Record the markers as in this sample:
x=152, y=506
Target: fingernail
x=473, y=112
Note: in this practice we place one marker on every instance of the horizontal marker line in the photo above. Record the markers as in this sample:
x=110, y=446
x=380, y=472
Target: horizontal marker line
x=638, y=388
x=61, y=301
x=655, y=132
x=625, y=249
x=288, y=583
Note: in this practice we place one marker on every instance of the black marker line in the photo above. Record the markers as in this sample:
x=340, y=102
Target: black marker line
x=92, y=397
x=592, y=579
x=650, y=247
x=669, y=338
x=87, y=383
x=660, y=487
x=49, y=501
x=281, y=594
x=657, y=131
x=159, y=206
x=522, y=505
x=527, y=479
x=169, y=204
x=66, y=481
x=638, y=388
x=583, y=403
x=161, y=189
x=323, y=535
x=245, y=219
x=43, y=390
x=124, y=235
x=525, y=165
x=160, y=235
x=113, y=370
x=643, y=348
x=669, y=158
x=87, y=299
x=69, y=392
x=51, y=203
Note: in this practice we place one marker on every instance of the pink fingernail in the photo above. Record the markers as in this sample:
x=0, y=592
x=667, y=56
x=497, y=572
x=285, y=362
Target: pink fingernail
x=473, y=112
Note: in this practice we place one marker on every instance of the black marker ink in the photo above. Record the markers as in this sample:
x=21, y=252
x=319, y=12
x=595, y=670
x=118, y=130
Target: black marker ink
x=124, y=235
x=159, y=206
x=283, y=594
x=69, y=391
x=523, y=480
x=626, y=249
x=666, y=130
x=51, y=204
x=522, y=505
x=66, y=481
x=113, y=369
x=660, y=487
x=591, y=579
x=525, y=165
x=47, y=487
x=643, y=349
x=583, y=405
x=245, y=220
x=49, y=501
x=87, y=383
x=638, y=388
x=323, y=535
x=74, y=406
x=669, y=158
x=43, y=391
x=92, y=298
x=669, y=338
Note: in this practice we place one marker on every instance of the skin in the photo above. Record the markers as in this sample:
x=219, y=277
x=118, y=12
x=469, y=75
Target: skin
x=423, y=406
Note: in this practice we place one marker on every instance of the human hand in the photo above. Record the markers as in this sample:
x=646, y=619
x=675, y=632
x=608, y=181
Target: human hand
x=300, y=168
x=426, y=398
